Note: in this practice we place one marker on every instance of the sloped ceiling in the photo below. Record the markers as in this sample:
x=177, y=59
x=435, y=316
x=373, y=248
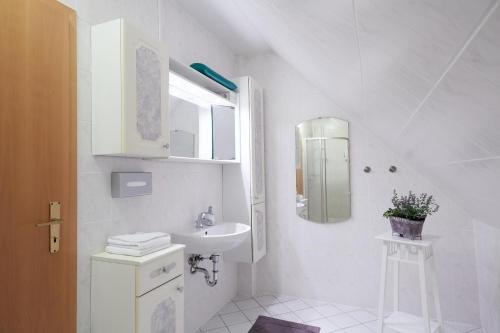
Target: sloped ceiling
x=424, y=75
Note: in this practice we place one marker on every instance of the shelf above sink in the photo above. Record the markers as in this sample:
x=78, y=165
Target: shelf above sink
x=196, y=77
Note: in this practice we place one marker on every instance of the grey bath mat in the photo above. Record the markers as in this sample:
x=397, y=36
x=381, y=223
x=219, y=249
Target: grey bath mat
x=265, y=324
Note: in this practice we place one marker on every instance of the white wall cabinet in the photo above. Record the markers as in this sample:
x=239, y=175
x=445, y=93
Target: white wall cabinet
x=259, y=244
x=244, y=183
x=138, y=294
x=129, y=92
x=256, y=105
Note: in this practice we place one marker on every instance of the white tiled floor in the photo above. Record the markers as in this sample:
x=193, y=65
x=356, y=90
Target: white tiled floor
x=240, y=314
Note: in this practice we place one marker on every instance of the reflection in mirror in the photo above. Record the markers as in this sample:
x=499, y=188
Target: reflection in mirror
x=201, y=126
x=190, y=129
x=223, y=127
x=322, y=170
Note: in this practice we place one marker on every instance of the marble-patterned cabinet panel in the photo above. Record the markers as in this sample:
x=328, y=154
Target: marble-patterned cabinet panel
x=129, y=92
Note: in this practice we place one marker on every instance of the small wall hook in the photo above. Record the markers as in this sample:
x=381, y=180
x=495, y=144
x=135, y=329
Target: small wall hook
x=393, y=169
x=367, y=169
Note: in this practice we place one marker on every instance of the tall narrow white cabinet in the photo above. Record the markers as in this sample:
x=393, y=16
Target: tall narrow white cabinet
x=255, y=103
x=138, y=294
x=244, y=184
x=129, y=92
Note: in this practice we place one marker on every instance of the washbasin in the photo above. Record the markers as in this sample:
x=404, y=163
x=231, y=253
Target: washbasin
x=212, y=240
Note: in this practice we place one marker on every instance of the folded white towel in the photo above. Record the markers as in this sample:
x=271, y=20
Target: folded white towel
x=165, y=240
x=142, y=246
x=133, y=252
x=137, y=238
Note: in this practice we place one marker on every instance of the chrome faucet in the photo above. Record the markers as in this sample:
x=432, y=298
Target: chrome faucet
x=205, y=218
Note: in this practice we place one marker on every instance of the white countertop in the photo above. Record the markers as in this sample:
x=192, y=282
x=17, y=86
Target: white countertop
x=137, y=261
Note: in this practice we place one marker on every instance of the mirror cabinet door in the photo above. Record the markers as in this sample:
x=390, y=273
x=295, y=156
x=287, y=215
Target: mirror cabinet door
x=322, y=170
x=201, y=130
x=224, y=129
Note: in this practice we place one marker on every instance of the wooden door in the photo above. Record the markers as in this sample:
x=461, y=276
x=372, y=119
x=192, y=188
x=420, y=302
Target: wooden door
x=37, y=165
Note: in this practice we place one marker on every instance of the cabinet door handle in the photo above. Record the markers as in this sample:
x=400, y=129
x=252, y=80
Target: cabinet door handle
x=180, y=289
x=167, y=269
x=166, y=146
x=162, y=270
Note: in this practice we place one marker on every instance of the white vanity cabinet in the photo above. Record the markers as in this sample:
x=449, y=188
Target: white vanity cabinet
x=244, y=183
x=138, y=294
x=129, y=92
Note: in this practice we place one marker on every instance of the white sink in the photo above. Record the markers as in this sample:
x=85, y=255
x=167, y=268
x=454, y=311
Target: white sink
x=212, y=240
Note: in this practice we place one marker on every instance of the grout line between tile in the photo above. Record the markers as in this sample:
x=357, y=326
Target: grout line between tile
x=450, y=65
x=348, y=313
x=493, y=158
x=361, y=67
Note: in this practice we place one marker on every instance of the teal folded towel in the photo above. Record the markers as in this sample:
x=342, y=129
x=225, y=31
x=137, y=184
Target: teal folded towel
x=208, y=72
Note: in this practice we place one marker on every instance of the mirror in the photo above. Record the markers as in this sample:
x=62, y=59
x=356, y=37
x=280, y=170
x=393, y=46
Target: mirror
x=202, y=124
x=224, y=130
x=322, y=170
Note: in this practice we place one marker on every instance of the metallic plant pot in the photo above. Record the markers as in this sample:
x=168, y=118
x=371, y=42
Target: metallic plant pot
x=406, y=228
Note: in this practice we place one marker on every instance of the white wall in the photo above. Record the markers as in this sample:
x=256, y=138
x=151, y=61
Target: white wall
x=180, y=191
x=340, y=262
x=488, y=274
x=453, y=139
x=423, y=75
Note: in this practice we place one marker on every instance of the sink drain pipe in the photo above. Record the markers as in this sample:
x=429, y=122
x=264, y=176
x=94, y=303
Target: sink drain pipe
x=193, y=261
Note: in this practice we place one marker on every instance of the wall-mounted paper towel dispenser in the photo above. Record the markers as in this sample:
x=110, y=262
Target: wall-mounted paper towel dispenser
x=131, y=184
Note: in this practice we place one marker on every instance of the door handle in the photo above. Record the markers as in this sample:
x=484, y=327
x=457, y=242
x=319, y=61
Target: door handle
x=54, y=225
x=51, y=222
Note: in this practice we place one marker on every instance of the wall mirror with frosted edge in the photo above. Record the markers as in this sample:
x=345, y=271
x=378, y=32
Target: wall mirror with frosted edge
x=203, y=125
x=323, y=190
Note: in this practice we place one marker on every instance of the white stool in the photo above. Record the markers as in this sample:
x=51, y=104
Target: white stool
x=416, y=252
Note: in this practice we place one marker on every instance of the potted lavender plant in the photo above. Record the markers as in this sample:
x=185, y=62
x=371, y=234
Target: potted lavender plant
x=408, y=215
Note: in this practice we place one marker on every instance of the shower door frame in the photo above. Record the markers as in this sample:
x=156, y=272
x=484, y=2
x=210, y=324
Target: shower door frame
x=324, y=192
